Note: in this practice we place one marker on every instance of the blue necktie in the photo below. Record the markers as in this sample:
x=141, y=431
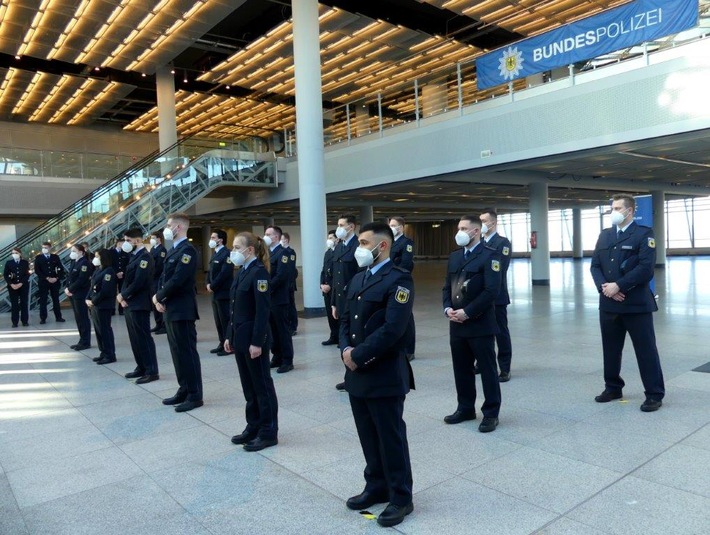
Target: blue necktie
x=466, y=254
x=367, y=276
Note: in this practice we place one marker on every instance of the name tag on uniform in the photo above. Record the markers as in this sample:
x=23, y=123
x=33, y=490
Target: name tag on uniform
x=627, y=246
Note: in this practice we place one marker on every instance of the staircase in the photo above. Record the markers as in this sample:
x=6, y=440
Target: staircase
x=143, y=196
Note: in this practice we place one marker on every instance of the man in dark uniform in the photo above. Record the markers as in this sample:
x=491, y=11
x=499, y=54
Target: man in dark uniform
x=219, y=281
x=17, y=278
x=472, y=284
x=344, y=266
x=176, y=298
x=281, y=277
x=622, y=268
x=326, y=287
x=292, y=312
x=489, y=228
x=402, y=255
x=373, y=337
x=121, y=258
x=135, y=300
x=50, y=272
x=158, y=252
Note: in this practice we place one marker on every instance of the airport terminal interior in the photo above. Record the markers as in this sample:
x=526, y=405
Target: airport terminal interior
x=114, y=114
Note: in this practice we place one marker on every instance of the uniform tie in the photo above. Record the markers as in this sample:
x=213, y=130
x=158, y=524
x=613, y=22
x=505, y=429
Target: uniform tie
x=619, y=233
x=367, y=276
x=466, y=254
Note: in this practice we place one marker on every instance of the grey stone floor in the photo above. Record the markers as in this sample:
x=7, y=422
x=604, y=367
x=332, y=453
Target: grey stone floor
x=83, y=450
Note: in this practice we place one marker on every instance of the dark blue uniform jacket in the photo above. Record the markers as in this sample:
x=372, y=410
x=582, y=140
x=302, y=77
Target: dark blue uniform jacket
x=138, y=281
x=250, y=305
x=176, y=288
x=503, y=248
x=402, y=253
x=79, y=280
x=221, y=274
x=282, y=275
x=103, y=289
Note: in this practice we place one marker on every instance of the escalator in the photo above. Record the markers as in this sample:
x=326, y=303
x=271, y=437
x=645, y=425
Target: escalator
x=143, y=196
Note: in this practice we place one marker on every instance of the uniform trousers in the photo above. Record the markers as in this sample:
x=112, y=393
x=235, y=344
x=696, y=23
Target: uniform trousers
x=182, y=339
x=19, y=301
x=412, y=342
x=383, y=437
x=258, y=387
x=643, y=337
x=45, y=290
x=142, y=343
x=466, y=351
x=81, y=316
x=292, y=312
x=101, y=318
x=220, y=311
x=332, y=322
x=283, y=343
x=505, y=348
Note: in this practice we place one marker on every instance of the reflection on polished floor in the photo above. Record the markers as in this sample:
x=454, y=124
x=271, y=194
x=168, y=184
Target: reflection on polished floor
x=83, y=450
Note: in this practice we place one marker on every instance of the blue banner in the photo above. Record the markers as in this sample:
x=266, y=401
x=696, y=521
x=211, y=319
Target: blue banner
x=615, y=29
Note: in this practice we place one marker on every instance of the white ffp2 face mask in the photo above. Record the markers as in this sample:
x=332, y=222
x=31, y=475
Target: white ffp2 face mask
x=365, y=257
x=212, y=244
x=168, y=233
x=341, y=233
x=74, y=255
x=267, y=240
x=237, y=258
x=96, y=262
x=617, y=218
x=127, y=247
x=462, y=238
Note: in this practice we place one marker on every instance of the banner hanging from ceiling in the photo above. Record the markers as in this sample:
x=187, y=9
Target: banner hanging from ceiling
x=615, y=29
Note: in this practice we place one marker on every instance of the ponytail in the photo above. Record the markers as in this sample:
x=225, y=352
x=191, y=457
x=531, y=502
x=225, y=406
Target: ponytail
x=261, y=251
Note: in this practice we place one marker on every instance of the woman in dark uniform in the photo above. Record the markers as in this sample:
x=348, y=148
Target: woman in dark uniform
x=17, y=277
x=100, y=301
x=78, y=284
x=249, y=336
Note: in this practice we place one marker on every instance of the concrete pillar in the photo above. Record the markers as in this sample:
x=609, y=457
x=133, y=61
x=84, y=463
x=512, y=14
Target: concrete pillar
x=366, y=214
x=658, y=202
x=577, y=250
x=309, y=132
x=167, y=122
x=206, y=251
x=540, y=256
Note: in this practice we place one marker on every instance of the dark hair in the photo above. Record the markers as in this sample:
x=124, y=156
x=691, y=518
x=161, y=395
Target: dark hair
x=476, y=220
x=120, y=239
x=47, y=243
x=260, y=249
x=286, y=235
x=629, y=201
x=18, y=250
x=222, y=235
x=277, y=230
x=491, y=212
x=106, y=258
x=79, y=247
x=87, y=249
x=350, y=218
x=381, y=229
x=135, y=232
x=158, y=234
x=331, y=232
x=399, y=220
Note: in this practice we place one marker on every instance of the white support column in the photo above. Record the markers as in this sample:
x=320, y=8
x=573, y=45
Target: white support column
x=167, y=122
x=539, y=256
x=577, y=250
x=366, y=214
x=658, y=202
x=309, y=132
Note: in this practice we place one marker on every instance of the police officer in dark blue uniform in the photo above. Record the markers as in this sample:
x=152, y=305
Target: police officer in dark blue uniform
x=121, y=257
x=472, y=284
x=344, y=266
x=282, y=268
x=326, y=287
x=17, y=277
x=622, y=268
x=249, y=336
x=101, y=302
x=135, y=300
x=176, y=298
x=50, y=272
x=402, y=255
x=292, y=312
x=158, y=252
x=78, y=284
x=373, y=338
x=219, y=280
x=489, y=228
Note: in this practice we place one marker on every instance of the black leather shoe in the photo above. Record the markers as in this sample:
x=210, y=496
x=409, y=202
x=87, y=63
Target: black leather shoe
x=106, y=360
x=275, y=363
x=25, y=324
x=175, y=400
x=147, y=379
x=284, y=368
x=244, y=437
x=607, y=396
x=216, y=350
x=460, y=416
x=259, y=444
x=504, y=377
x=340, y=387
x=410, y=357
x=42, y=322
x=366, y=500
x=80, y=347
x=188, y=405
x=134, y=374
x=222, y=353
x=14, y=326
x=394, y=514
x=60, y=320
x=488, y=425
x=329, y=342
x=70, y=347
x=96, y=359
x=651, y=405
x=161, y=331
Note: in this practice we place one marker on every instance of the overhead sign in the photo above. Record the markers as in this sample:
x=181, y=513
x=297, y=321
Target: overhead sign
x=615, y=29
